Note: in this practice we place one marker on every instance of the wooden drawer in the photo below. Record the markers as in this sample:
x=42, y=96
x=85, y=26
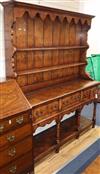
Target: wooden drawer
x=45, y=110
x=93, y=92
x=68, y=101
x=89, y=94
x=86, y=95
x=15, y=151
x=98, y=94
x=19, y=166
x=15, y=136
x=16, y=121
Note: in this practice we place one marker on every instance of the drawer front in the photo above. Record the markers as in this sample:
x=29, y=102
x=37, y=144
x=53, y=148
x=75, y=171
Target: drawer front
x=14, y=122
x=86, y=95
x=89, y=94
x=45, y=110
x=93, y=92
x=15, y=151
x=15, y=136
x=19, y=166
x=71, y=100
x=98, y=93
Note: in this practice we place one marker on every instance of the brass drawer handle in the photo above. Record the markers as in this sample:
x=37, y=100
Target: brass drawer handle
x=13, y=169
x=20, y=120
x=12, y=152
x=11, y=138
x=1, y=128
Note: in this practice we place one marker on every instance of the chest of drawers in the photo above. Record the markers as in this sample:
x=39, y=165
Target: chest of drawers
x=15, y=132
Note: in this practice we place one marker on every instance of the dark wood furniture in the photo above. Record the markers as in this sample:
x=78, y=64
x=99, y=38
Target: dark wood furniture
x=46, y=54
x=16, y=142
x=98, y=95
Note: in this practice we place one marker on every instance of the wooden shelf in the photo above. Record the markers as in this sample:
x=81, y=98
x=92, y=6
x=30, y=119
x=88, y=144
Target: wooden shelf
x=51, y=48
x=44, y=69
x=46, y=141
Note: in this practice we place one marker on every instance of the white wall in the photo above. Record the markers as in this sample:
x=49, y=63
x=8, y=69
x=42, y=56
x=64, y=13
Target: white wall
x=62, y=4
x=2, y=56
x=92, y=7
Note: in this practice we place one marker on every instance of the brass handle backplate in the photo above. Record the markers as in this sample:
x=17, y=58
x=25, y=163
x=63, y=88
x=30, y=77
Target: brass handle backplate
x=20, y=120
x=13, y=169
x=12, y=152
x=1, y=128
x=11, y=138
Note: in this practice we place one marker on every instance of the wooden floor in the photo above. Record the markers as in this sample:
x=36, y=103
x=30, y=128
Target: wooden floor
x=93, y=168
x=53, y=162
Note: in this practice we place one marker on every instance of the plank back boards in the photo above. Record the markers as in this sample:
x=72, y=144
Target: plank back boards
x=48, y=45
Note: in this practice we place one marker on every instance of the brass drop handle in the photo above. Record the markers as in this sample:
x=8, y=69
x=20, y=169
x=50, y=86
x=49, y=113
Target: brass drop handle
x=1, y=128
x=12, y=152
x=20, y=120
x=13, y=169
x=11, y=138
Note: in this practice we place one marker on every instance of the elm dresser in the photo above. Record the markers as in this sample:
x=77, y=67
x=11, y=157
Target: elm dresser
x=45, y=52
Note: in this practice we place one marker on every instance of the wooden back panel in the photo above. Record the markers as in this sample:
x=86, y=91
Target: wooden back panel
x=48, y=45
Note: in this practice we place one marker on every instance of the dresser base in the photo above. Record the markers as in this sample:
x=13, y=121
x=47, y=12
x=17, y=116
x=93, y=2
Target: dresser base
x=45, y=142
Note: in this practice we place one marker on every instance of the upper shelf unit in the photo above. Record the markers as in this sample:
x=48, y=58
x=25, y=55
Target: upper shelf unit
x=44, y=45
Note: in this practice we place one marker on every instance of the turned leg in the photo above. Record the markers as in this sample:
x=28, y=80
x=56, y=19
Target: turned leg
x=31, y=172
x=57, y=135
x=78, y=115
x=94, y=114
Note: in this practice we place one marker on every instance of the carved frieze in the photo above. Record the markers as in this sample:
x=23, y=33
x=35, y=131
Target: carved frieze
x=65, y=103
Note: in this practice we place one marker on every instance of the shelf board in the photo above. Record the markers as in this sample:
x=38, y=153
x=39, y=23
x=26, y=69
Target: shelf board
x=45, y=69
x=50, y=48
